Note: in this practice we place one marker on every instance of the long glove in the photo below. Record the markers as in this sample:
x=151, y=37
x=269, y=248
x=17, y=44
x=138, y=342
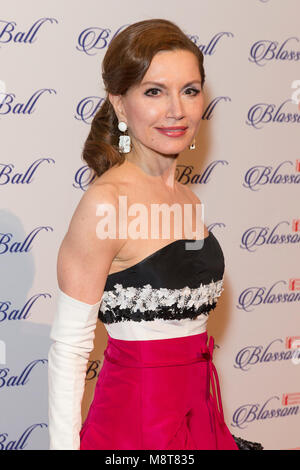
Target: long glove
x=73, y=331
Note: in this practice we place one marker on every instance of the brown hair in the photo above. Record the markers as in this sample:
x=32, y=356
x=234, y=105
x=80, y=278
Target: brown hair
x=125, y=63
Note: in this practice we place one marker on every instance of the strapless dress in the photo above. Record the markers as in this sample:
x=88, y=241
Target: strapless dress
x=158, y=387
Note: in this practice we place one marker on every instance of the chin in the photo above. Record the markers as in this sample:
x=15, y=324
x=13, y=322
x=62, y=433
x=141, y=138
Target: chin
x=170, y=150
x=174, y=152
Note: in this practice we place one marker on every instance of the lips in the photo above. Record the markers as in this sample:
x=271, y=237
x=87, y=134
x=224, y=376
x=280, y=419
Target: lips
x=172, y=131
x=178, y=128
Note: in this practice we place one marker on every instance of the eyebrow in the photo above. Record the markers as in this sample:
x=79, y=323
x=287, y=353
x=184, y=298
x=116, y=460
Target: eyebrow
x=164, y=86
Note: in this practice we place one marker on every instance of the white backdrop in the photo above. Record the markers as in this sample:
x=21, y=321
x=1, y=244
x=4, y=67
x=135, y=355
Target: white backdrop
x=245, y=169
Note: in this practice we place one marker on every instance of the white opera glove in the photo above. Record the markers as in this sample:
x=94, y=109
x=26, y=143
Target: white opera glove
x=73, y=331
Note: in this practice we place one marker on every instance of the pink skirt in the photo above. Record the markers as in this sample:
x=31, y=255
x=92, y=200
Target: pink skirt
x=156, y=395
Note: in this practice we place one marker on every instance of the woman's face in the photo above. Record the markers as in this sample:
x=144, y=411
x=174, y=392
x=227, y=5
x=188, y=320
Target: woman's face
x=168, y=97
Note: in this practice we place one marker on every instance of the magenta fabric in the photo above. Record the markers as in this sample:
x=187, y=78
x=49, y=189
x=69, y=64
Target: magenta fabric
x=155, y=395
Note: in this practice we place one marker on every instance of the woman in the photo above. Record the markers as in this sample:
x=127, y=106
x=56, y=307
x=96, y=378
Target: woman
x=152, y=294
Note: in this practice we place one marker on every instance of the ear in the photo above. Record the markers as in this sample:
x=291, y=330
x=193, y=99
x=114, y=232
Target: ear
x=117, y=104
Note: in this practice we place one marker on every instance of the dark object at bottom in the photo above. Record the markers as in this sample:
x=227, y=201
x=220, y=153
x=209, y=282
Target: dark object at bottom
x=247, y=445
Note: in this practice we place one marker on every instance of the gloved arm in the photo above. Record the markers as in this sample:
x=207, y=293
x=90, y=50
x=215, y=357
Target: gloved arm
x=73, y=332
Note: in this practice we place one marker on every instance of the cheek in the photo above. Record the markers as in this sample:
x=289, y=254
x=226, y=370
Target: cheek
x=143, y=116
x=196, y=113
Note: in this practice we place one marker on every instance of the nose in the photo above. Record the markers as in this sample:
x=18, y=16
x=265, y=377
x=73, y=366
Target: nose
x=175, y=107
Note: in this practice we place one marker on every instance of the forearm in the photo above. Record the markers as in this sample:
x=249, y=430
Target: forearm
x=73, y=335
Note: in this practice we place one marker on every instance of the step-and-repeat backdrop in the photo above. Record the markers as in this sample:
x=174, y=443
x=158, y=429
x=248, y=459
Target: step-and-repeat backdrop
x=245, y=169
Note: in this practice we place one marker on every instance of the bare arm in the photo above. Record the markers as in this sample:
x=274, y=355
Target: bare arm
x=84, y=259
x=82, y=266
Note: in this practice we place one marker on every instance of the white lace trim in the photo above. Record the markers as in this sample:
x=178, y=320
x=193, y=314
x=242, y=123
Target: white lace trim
x=146, y=298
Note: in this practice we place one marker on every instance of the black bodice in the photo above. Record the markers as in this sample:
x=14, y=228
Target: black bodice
x=172, y=283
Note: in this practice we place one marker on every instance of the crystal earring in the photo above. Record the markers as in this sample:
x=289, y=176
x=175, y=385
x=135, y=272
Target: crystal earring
x=124, y=140
x=193, y=145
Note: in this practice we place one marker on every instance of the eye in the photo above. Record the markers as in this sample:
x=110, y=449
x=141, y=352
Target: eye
x=156, y=91
x=194, y=91
x=151, y=90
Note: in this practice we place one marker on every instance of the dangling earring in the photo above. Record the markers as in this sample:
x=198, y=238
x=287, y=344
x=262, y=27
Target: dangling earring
x=124, y=140
x=193, y=145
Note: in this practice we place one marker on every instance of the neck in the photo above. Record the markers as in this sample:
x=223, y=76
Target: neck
x=159, y=168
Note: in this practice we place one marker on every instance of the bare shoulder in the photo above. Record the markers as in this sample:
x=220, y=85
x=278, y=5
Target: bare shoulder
x=114, y=176
x=84, y=258
x=198, y=209
x=86, y=215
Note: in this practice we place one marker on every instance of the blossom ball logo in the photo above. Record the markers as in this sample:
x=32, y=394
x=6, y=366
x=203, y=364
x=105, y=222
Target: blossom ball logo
x=261, y=295
x=273, y=407
x=277, y=350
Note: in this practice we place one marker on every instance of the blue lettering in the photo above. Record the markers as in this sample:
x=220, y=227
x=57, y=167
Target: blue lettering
x=264, y=113
x=20, y=178
x=264, y=51
x=26, y=38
